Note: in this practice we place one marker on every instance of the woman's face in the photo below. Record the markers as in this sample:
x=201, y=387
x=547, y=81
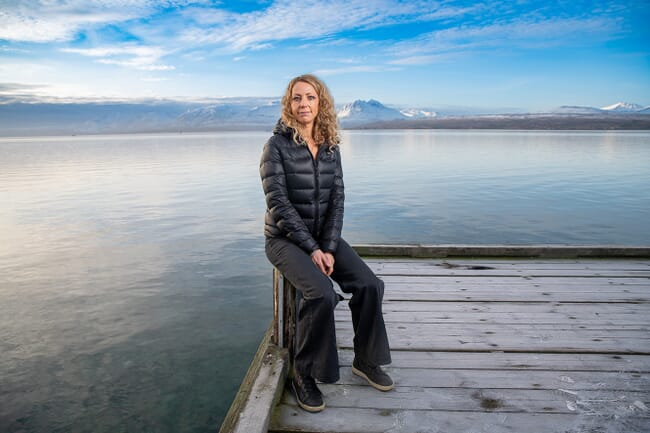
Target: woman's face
x=304, y=103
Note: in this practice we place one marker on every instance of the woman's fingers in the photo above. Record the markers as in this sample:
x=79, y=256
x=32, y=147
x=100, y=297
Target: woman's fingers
x=319, y=260
x=329, y=260
x=324, y=261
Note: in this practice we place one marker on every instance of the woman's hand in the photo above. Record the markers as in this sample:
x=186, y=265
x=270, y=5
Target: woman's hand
x=324, y=261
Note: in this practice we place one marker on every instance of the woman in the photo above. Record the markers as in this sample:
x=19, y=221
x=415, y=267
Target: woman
x=303, y=183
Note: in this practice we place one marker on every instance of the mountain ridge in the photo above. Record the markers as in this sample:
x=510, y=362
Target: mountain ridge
x=21, y=118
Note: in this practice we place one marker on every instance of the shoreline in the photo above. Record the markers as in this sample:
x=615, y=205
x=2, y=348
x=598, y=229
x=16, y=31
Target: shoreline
x=447, y=124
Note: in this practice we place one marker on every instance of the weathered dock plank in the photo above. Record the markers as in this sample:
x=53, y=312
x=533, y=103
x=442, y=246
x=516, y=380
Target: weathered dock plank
x=527, y=251
x=363, y=420
x=594, y=317
x=409, y=266
x=513, y=361
x=573, y=273
x=432, y=377
x=555, y=264
x=472, y=400
x=499, y=345
x=541, y=338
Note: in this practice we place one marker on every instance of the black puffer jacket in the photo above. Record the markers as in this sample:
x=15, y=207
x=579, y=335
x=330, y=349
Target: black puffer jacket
x=304, y=196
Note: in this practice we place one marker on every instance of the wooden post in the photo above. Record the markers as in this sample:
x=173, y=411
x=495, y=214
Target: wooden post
x=289, y=318
x=278, y=310
x=284, y=313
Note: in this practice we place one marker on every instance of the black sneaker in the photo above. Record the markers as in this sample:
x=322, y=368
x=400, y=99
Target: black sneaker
x=374, y=375
x=307, y=393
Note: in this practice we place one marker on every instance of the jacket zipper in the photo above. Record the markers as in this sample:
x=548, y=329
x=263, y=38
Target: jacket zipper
x=316, y=192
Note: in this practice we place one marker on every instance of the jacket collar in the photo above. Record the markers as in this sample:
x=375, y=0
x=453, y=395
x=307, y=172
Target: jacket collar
x=286, y=131
x=282, y=129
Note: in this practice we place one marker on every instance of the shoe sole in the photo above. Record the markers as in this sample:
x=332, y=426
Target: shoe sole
x=374, y=385
x=308, y=408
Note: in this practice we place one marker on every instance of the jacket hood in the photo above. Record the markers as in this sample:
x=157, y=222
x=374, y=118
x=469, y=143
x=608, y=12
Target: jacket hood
x=286, y=131
x=282, y=129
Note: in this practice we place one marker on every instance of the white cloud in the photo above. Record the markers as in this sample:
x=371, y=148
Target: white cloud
x=354, y=69
x=17, y=71
x=145, y=58
x=423, y=60
x=10, y=92
x=61, y=20
x=44, y=21
x=137, y=63
x=347, y=60
x=31, y=92
x=518, y=34
x=8, y=49
x=207, y=16
x=306, y=20
x=154, y=79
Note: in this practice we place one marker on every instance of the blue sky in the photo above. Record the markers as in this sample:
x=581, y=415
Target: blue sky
x=530, y=55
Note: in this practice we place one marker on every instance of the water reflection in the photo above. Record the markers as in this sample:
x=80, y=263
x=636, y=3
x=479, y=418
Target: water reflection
x=133, y=284
x=513, y=187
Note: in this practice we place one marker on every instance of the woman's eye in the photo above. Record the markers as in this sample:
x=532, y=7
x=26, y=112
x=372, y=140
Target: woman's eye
x=311, y=98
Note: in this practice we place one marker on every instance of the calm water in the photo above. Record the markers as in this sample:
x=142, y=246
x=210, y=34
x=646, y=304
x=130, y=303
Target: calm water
x=133, y=284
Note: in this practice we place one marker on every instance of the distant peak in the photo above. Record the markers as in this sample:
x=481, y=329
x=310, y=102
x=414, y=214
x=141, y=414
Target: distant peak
x=366, y=111
x=362, y=102
x=623, y=106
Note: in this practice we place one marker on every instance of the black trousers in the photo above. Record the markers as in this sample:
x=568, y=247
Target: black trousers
x=315, y=348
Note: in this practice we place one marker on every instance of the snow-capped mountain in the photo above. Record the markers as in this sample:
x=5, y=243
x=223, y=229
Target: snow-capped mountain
x=268, y=112
x=244, y=111
x=623, y=107
x=89, y=118
x=577, y=109
x=22, y=118
x=417, y=113
x=360, y=111
x=618, y=108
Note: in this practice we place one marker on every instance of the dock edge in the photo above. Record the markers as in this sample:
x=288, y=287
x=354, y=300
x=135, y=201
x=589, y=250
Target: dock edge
x=264, y=381
x=260, y=389
x=502, y=251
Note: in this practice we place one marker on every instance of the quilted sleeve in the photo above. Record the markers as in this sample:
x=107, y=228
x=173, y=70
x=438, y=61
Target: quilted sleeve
x=280, y=208
x=334, y=222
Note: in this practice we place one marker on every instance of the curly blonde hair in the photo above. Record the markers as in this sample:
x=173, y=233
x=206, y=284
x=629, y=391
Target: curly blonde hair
x=325, y=125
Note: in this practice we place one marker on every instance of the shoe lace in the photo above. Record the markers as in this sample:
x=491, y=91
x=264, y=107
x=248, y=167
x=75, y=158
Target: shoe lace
x=375, y=370
x=307, y=383
x=369, y=368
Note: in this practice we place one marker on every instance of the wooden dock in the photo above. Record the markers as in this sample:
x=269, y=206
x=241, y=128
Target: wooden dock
x=492, y=345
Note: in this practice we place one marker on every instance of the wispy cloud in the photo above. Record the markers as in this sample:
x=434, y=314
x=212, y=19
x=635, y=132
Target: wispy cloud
x=461, y=28
x=520, y=33
x=424, y=60
x=145, y=58
x=220, y=49
x=28, y=93
x=155, y=79
x=310, y=19
x=45, y=21
x=19, y=88
x=354, y=69
x=8, y=49
x=17, y=92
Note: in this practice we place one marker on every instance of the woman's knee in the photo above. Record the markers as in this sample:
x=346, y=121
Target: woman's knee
x=373, y=288
x=330, y=299
x=324, y=294
x=378, y=287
